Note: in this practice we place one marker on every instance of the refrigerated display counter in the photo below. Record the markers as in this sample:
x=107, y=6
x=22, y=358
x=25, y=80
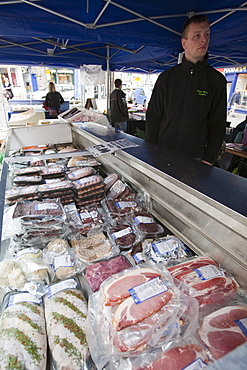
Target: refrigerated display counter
x=202, y=205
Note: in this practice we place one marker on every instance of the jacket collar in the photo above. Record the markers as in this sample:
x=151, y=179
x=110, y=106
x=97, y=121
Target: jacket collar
x=198, y=66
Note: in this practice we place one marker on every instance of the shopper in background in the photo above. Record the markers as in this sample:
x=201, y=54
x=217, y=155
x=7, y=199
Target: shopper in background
x=53, y=100
x=187, y=109
x=7, y=90
x=234, y=102
x=118, y=107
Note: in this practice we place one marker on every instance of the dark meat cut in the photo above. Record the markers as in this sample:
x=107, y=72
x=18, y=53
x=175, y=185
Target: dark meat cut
x=177, y=358
x=118, y=290
x=211, y=283
x=100, y=271
x=222, y=330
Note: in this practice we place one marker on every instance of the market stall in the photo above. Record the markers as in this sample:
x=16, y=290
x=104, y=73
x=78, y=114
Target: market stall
x=197, y=206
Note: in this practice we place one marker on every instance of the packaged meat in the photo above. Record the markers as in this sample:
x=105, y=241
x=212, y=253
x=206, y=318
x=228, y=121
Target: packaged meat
x=224, y=330
x=11, y=275
x=147, y=314
x=211, y=284
x=65, y=265
x=51, y=171
x=82, y=161
x=23, y=343
x=27, y=180
x=117, y=290
x=92, y=247
x=110, y=180
x=87, y=182
x=21, y=192
x=98, y=272
x=27, y=171
x=178, y=355
x=147, y=225
x=65, y=314
x=165, y=249
x=80, y=173
x=124, y=236
x=58, y=245
x=48, y=208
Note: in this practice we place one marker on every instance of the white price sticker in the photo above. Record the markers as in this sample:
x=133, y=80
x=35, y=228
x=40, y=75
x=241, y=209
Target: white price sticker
x=148, y=290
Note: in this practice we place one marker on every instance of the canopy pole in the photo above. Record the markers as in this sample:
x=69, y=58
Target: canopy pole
x=108, y=80
x=4, y=107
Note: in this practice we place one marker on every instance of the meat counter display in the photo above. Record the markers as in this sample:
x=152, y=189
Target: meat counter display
x=122, y=261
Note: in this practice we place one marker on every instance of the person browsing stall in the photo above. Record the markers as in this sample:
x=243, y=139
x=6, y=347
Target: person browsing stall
x=234, y=102
x=53, y=100
x=118, y=107
x=187, y=109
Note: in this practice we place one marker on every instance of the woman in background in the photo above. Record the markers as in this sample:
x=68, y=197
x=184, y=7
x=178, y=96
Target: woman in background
x=7, y=91
x=53, y=100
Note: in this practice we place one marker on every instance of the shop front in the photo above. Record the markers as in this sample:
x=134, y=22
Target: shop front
x=237, y=79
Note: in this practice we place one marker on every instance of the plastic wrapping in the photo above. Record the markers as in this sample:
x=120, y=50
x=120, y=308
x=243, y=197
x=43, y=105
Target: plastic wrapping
x=94, y=247
x=224, y=329
x=80, y=173
x=66, y=265
x=65, y=313
x=124, y=235
x=115, y=330
x=177, y=355
x=212, y=285
x=165, y=249
x=23, y=340
x=147, y=225
x=11, y=275
x=98, y=272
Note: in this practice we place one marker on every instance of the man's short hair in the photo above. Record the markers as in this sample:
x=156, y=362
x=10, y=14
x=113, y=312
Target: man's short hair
x=118, y=82
x=195, y=19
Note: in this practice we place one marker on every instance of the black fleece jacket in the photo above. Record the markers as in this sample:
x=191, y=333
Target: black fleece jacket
x=118, y=105
x=187, y=110
x=54, y=99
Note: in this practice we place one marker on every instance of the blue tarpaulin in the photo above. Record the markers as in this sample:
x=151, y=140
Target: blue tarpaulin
x=120, y=34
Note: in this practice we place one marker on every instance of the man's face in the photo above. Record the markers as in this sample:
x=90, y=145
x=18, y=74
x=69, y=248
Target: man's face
x=197, y=41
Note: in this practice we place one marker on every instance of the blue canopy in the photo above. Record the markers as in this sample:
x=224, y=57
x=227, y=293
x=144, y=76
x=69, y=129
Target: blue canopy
x=119, y=35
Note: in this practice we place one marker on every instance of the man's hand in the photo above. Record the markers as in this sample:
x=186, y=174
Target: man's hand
x=210, y=164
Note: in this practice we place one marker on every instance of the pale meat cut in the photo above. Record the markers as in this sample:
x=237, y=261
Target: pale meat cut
x=220, y=330
x=65, y=314
x=23, y=341
x=177, y=358
x=129, y=313
x=118, y=290
x=211, y=284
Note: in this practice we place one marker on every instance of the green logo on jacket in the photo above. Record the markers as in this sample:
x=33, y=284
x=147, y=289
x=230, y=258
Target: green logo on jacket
x=202, y=92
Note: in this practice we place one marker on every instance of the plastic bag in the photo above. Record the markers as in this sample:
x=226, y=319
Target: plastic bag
x=158, y=315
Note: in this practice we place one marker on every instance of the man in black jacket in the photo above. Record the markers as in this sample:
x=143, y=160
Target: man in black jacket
x=118, y=106
x=187, y=109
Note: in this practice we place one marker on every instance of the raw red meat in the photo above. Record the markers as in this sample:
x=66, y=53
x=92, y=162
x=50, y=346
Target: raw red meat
x=221, y=333
x=201, y=274
x=100, y=271
x=118, y=290
x=177, y=358
x=129, y=313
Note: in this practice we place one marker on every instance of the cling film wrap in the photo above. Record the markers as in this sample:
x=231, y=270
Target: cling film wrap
x=112, y=334
x=164, y=249
x=65, y=314
x=23, y=342
x=184, y=353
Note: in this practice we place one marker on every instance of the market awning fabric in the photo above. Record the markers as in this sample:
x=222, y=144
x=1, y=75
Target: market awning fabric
x=120, y=34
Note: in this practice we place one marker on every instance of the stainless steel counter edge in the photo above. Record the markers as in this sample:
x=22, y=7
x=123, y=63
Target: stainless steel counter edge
x=202, y=222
